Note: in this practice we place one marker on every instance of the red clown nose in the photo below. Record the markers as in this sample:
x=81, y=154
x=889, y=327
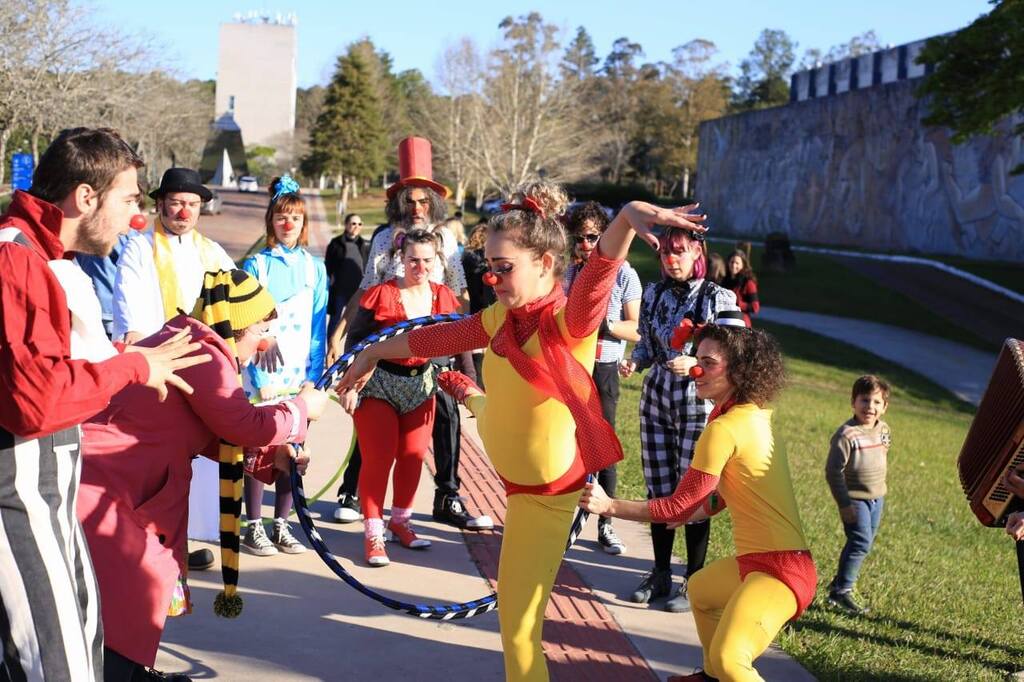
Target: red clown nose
x=263, y=345
x=491, y=279
x=289, y=227
x=183, y=214
x=696, y=372
x=138, y=222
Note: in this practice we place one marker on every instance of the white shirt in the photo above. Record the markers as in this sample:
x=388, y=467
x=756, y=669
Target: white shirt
x=88, y=338
x=138, y=304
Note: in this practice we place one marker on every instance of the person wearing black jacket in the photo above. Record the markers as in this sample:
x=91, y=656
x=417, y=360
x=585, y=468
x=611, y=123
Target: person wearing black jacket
x=344, y=260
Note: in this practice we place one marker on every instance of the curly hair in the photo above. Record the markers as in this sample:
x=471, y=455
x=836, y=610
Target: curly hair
x=539, y=233
x=753, y=362
x=589, y=212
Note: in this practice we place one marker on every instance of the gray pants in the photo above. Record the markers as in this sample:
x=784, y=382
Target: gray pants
x=50, y=621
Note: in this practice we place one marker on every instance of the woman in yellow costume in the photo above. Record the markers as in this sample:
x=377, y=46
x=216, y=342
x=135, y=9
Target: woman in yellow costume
x=543, y=428
x=739, y=602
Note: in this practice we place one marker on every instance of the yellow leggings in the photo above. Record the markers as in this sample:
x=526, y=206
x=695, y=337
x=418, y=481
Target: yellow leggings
x=737, y=620
x=536, y=527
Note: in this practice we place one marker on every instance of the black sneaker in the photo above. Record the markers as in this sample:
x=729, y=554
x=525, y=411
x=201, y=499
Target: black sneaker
x=348, y=510
x=656, y=584
x=149, y=675
x=200, y=560
x=451, y=510
x=844, y=601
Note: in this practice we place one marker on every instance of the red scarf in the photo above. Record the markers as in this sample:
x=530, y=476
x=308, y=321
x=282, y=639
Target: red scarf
x=559, y=376
x=719, y=410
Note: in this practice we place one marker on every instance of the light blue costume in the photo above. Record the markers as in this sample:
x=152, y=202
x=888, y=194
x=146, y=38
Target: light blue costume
x=298, y=284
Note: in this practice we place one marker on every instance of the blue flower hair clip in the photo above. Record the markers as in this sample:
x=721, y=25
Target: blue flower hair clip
x=285, y=185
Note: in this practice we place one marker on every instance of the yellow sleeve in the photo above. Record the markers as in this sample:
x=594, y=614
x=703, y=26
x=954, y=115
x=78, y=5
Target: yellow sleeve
x=714, y=448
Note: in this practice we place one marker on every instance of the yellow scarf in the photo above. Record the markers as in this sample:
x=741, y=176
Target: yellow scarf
x=167, y=274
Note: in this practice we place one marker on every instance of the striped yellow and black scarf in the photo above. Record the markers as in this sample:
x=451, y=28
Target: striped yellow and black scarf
x=230, y=301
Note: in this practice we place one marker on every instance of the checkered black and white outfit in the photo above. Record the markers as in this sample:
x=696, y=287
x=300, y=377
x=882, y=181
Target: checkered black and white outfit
x=671, y=416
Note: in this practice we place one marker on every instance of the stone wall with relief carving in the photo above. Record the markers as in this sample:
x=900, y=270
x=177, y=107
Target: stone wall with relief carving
x=860, y=169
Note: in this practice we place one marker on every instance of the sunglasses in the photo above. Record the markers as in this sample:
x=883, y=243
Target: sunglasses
x=588, y=238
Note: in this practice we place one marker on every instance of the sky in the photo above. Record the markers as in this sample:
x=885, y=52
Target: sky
x=416, y=33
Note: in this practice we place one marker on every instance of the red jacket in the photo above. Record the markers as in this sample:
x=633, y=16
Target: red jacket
x=41, y=389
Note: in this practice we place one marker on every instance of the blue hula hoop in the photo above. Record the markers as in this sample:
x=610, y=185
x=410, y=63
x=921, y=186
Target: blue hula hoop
x=426, y=611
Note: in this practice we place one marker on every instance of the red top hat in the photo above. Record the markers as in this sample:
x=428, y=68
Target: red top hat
x=415, y=167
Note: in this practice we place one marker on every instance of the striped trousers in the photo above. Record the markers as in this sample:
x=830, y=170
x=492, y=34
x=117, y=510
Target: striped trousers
x=50, y=621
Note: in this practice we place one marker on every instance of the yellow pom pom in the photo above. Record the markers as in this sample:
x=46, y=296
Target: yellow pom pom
x=227, y=606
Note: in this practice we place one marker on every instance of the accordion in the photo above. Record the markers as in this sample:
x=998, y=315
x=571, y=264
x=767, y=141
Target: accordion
x=995, y=442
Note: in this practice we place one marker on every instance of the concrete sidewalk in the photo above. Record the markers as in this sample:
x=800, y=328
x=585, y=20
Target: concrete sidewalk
x=961, y=369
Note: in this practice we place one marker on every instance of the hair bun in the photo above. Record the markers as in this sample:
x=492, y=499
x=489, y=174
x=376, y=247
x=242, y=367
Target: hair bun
x=551, y=198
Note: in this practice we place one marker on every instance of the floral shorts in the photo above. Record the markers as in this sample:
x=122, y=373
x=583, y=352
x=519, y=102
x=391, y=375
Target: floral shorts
x=404, y=393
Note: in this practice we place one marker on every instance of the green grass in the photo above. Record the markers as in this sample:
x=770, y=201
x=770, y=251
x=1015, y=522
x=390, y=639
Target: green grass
x=945, y=600
x=820, y=284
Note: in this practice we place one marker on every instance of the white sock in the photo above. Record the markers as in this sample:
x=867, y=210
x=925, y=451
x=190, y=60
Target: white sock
x=401, y=515
x=373, y=527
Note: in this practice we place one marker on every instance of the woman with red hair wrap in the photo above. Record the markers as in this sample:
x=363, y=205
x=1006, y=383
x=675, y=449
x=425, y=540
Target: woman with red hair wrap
x=543, y=429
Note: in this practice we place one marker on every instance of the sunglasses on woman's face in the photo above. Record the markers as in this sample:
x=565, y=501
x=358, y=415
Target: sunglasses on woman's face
x=588, y=238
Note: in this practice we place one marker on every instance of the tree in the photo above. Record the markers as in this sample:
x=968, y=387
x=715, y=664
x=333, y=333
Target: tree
x=450, y=119
x=349, y=140
x=978, y=74
x=865, y=43
x=579, y=60
x=526, y=119
x=617, y=94
x=764, y=74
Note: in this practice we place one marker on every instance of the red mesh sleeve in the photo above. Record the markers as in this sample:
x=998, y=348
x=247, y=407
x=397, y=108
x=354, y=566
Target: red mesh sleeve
x=449, y=338
x=588, y=298
x=688, y=496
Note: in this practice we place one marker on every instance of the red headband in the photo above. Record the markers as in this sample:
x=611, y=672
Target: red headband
x=529, y=204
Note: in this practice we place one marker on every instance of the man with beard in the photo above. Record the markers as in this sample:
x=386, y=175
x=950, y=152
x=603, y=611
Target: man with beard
x=84, y=194
x=415, y=201
x=159, y=274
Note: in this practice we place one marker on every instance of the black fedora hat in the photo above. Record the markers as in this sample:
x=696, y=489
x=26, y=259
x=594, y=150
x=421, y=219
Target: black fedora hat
x=181, y=180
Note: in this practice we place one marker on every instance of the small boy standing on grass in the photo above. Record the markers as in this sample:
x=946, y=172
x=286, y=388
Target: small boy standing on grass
x=855, y=471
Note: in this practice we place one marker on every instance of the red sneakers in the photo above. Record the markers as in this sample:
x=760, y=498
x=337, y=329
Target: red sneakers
x=375, y=553
x=405, y=535
x=457, y=385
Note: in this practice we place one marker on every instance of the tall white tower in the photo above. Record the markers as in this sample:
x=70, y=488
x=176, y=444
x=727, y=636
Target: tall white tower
x=256, y=76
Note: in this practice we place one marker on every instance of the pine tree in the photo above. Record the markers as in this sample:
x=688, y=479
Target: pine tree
x=349, y=140
x=579, y=59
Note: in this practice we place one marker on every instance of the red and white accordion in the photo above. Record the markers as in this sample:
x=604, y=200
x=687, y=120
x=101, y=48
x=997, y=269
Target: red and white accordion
x=995, y=442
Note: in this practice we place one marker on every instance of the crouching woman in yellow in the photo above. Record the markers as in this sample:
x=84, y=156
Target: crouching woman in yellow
x=740, y=602
x=543, y=428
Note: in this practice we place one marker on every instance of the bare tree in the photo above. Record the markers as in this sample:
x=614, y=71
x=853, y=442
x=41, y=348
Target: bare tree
x=527, y=120
x=450, y=118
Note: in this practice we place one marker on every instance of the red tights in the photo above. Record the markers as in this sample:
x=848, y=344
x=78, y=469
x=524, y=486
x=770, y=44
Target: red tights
x=386, y=438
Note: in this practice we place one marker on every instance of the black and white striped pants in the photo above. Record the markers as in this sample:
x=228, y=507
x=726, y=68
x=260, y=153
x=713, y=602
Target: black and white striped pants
x=50, y=620
x=672, y=418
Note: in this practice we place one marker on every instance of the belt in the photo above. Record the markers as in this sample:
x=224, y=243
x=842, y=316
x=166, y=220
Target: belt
x=402, y=370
